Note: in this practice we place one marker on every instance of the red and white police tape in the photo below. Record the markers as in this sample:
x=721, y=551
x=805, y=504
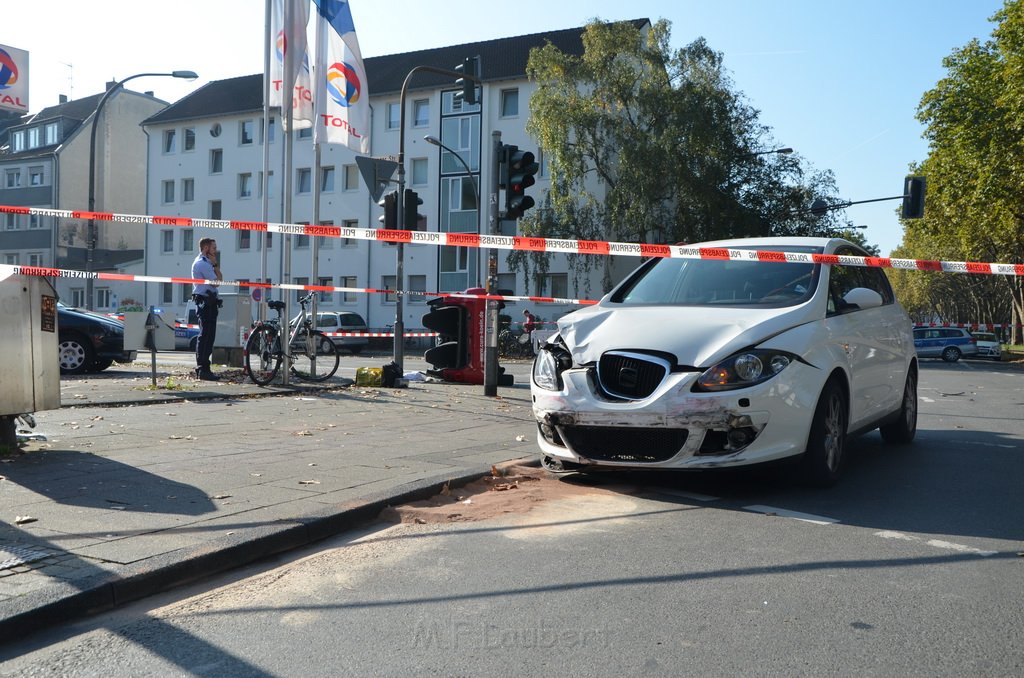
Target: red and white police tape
x=598, y=247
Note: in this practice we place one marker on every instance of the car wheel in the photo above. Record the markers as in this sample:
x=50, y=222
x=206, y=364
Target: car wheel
x=902, y=431
x=74, y=355
x=193, y=344
x=101, y=364
x=951, y=354
x=823, y=458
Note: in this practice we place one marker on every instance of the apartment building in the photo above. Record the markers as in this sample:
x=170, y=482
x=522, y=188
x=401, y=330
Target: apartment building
x=44, y=162
x=205, y=159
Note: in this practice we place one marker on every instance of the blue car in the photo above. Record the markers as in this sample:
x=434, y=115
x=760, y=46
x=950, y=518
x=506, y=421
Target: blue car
x=948, y=343
x=185, y=335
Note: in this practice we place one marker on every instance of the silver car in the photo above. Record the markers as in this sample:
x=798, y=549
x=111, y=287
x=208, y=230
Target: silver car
x=988, y=345
x=332, y=322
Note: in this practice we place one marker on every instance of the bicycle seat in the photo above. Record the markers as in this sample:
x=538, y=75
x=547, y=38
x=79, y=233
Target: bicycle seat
x=276, y=305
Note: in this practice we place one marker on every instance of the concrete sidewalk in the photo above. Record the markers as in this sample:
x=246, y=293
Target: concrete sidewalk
x=139, y=489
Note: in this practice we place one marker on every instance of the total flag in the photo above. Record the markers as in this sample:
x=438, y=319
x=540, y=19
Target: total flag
x=341, y=94
x=290, y=56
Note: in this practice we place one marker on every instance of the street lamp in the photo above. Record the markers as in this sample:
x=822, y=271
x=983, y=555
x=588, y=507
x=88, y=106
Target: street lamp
x=91, y=244
x=777, y=151
x=476, y=191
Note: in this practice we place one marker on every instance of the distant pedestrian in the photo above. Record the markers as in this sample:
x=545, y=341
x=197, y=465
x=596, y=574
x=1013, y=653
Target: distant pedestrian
x=529, y=322
x=206, y=267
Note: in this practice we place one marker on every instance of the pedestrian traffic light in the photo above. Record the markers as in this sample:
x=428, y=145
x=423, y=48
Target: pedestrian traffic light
x=448, y=318
x=468, y=67
x=913, y=197
x=519, y=168
x=389, y=202
x=412, y=218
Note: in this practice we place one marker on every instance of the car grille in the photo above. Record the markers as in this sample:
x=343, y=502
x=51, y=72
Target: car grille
x=634, y=445
x=631, y=376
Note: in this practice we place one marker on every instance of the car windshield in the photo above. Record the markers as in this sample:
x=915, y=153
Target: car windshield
x=714, y=282
x=351, y=320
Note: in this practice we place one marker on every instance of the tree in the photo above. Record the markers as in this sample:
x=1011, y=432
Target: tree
x=645, y=144
x=975, y=169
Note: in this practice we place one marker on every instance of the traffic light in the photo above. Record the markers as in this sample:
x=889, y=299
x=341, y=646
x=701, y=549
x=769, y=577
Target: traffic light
x=517, y=171
x=411, y=219
x=913, y=197
x=389, y=202
x=449, y=320
x=467, y=67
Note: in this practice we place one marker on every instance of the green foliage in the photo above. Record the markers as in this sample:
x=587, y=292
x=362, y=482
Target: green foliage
x=646, y=144
x=974, y=208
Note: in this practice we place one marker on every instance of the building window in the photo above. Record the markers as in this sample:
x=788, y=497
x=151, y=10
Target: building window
x=325, y=242
x=347, y=281
x=507, y=285
x=12, y=222
x=302, y=180
x=35, y=221
x=170, y=140
x=302, y=281
x=35, y=176
x=301, y=242
x=14, y=178
x=35, y=259
x=215, y=209
x=185, y=294
x=349, y=223
x=167, y=240
x=102, y=297
x=306, y=133
x=78, y=297
x=245, y=132
x=417, y=283
x=394, y=117
x=166, y=293
x=326, y=179
x=12, y=260
x=216, y=161
x=168, y=191
x=18, y=141
x=188, y=190
x=52, y=133
x=509, y=103
x=326, y=297
x=351, y=178
x=190, y=139
x=244, y=240
x=419, y=171
x=387, y=282
x=245, y=185
x=421, y=113
x=270, y=131
x=215, y=130
x=268, y=238
x=186, y=239
x=33, y=137
x=557, y=285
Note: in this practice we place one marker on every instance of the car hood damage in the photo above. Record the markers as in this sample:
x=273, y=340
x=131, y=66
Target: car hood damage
x=696, y=336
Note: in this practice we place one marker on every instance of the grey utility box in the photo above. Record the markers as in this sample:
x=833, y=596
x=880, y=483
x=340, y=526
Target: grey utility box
x=30, y=371
x=233, y=320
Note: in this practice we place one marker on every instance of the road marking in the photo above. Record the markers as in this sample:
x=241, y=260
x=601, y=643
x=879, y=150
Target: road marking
x=927, y=400
x=785, y=513
x=974, y=442
x=936, y=543
x=696, y=496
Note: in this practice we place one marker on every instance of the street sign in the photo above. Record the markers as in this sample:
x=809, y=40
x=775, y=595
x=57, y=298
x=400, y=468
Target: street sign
x=377, y=173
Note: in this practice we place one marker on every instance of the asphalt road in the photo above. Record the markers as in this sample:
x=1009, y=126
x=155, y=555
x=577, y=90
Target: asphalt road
x=911, y=566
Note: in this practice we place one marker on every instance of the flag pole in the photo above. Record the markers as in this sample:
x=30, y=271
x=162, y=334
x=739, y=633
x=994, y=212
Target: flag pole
x=265, y=188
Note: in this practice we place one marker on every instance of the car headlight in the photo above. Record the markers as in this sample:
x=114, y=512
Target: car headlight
x=744, y=369
x=552, y=359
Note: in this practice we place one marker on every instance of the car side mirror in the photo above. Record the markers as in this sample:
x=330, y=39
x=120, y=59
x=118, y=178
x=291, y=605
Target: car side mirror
x=861, y=298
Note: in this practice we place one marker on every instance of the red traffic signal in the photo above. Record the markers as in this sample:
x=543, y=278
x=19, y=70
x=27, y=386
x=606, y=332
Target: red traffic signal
x=518, y=170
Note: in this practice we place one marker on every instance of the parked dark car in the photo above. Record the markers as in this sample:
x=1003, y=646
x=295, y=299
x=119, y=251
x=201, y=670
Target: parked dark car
x=89, y=342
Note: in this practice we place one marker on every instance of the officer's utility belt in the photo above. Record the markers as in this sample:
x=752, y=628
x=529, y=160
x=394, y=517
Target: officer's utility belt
x=203, y=299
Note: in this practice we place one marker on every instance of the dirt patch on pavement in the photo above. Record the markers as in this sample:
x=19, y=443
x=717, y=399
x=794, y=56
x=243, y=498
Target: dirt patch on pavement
x=510, y=489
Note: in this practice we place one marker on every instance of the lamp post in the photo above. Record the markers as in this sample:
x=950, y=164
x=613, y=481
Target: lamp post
x=777, y=151
x=91, y=243
x=476, y=191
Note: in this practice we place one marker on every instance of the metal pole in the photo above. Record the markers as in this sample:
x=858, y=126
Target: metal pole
x=491, y=320
x=265, y=202
x=288, y=103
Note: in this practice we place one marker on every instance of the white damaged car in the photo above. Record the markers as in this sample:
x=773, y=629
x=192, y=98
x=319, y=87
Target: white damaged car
x=718, y=362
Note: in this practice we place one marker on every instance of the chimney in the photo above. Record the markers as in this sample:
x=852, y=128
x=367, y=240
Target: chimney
x=63, y=98
x=111, y=84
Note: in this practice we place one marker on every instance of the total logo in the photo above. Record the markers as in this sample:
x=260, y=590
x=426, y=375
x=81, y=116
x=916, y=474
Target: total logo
x=343, y=84
x=8, y=70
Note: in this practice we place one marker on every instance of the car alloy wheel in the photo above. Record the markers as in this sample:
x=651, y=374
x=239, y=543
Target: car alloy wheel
x=902, y=431
x=823, y=459
x=951, y=354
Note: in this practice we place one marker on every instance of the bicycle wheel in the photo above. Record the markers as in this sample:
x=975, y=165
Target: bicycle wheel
x=262, y=358
x=314, y=356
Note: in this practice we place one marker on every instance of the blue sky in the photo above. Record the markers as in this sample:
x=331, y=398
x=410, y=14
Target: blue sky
x=837, y=80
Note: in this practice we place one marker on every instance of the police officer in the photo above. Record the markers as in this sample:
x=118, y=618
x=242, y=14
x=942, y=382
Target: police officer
x=206, y=267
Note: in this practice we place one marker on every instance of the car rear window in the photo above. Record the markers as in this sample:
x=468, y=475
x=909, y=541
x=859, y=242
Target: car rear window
x=351, y=320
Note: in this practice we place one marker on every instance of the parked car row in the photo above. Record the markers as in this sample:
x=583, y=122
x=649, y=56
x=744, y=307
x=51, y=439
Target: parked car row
x=953, y=343
x=89, y=342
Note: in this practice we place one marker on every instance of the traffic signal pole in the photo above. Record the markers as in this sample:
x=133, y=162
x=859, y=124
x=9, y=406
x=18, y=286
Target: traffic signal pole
x=491, y=330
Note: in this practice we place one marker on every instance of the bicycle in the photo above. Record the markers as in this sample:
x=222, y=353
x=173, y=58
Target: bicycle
x=512, y=345
x=312, y=354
